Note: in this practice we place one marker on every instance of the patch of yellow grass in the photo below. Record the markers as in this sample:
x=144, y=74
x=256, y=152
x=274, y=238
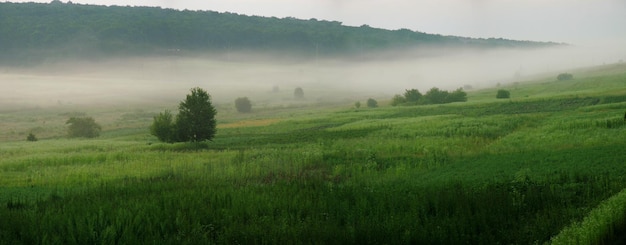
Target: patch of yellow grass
x=249, y=123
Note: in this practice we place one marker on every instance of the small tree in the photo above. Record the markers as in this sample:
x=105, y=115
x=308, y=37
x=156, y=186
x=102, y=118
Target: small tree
x=503, y=94
x=457, y=96
x=412, y=95
x=83, y=127
x=564, y=76
x=436, y=96
x=372, y=103
x=31, y=137
x=357, y=105
x=398, y=100
x=243, y=104
x=196, y=117
x=163, y=127
x=298, y=93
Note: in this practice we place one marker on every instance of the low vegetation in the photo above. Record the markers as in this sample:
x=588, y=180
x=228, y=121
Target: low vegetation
x=433, y=96
x=565, y=77
x=83, y=127
x=243, y=104
x=522, y=171
x=503, y=94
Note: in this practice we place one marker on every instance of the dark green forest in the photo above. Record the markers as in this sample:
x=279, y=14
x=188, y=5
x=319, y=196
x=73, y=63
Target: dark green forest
x=32, y=32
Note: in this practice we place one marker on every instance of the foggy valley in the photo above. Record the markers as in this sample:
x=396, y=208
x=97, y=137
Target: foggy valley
x=164, y=80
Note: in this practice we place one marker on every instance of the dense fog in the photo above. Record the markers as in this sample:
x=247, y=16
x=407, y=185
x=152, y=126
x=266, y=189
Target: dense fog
x=270, y=80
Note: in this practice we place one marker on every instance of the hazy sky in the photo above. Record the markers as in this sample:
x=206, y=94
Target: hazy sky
x=580, y=22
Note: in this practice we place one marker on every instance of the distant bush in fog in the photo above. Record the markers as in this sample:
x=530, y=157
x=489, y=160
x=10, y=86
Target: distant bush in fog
x=433, y=96
x=564, y=77
x=243, y=104
x=503, y=94
x=298, y=93
x=83, y=127
x=372, y=103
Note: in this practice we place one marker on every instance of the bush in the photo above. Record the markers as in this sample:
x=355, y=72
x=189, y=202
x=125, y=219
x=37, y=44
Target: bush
x=503, y=94
x=31, y=137
x=412, y=95
x=564, y=77
x=195, y=121
x=83, y=127
x=398, y=100
x=457, y=96
x=357, y=105
x=163, y=127
x=372, y=103
x=436, y=96
x=298, y=93
x=243, y=104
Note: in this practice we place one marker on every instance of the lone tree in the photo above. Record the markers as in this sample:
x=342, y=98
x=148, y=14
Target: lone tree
x=196, y=117
x=195, y=121
x=298, y=93
x=372, y=103
x=31, y=137
x=83, y=127
x=503, y=94
x=243, y=104
x=564, y=77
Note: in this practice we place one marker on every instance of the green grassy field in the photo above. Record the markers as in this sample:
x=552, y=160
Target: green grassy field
x=547, y=164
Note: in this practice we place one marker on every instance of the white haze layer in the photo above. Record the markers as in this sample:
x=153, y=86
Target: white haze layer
x=165, y=80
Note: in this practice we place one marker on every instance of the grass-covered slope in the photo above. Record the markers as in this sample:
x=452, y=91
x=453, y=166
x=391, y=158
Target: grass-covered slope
x=485, y=171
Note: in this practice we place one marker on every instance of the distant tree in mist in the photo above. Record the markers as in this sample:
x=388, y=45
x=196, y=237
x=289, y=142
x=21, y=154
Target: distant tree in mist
x=436, y=96
x=243, y=104
x=565, y=76
x=31, y=137
x=457, y=96
x=412, y=95
x=398, y=100
x=357, y=104
x=372, y=103
x=433, y=96
x=83, y=127
x=298, y=93
x=503, y=94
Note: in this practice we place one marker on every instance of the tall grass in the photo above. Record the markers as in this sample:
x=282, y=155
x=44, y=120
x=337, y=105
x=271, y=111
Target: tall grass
x=513, y=172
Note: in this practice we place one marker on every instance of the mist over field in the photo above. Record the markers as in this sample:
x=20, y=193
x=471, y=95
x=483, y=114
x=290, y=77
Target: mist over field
x=165, y=80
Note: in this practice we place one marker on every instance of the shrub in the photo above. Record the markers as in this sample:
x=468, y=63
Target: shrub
x=83, y=127
x=457, y=96
x=503, y=94
x=298, y=93
x=436, y=96
x=398, y=100
x=564, y=77
x=31, y=137
x=372, y=103
x=163, y=127
x=357, y=105
x=243, y=104
x=412, y=95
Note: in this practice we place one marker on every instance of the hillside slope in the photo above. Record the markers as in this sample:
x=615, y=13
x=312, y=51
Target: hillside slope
x=32, y=31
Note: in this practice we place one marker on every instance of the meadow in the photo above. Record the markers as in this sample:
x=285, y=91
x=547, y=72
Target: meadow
x=546, y=166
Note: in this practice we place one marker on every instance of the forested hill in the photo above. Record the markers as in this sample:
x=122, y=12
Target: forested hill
x=35, y=31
